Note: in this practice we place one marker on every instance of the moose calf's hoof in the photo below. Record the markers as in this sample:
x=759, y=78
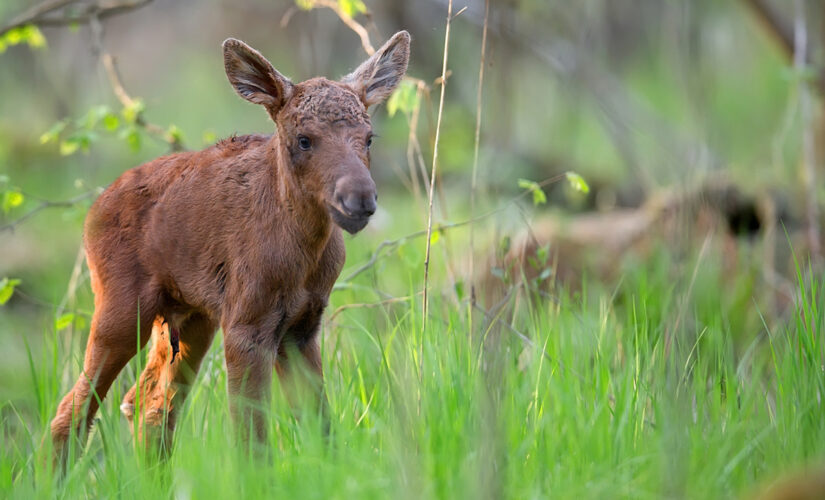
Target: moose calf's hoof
x=128, y=410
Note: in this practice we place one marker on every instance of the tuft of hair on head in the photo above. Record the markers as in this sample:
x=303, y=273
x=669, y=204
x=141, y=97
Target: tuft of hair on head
x=377, y=77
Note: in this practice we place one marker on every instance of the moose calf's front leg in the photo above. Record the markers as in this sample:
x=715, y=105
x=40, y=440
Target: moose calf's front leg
x=249, y=363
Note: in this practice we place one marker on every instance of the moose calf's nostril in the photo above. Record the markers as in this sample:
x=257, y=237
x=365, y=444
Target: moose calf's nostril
x=358, y=204
x=368, y=205
x=352, y=204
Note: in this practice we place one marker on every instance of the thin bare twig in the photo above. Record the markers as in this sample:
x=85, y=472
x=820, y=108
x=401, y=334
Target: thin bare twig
x=389, y=244
x=783, y=33
x=68, y=300
x=474, y=179
x=774, y=25
x=120, y=92
x=391, y=300
x=414, y=156
x=351, y=23
x=11, y=226
x=800, y=57
x=34, y=14
x=435, y=162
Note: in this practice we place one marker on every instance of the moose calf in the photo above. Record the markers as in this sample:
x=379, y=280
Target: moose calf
x=242, y=235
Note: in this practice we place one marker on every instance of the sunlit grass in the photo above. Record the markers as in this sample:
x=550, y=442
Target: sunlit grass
x=609, y=398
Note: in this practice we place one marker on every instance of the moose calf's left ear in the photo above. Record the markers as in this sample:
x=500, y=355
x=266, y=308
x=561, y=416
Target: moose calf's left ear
x=378, y=76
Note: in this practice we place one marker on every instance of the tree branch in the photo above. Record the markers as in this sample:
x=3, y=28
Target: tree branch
x=67, y=12
x=774, y=25
x=351, y=23
x=70, y=12
x=120, y=92
x=782, y=33
x=11, y=226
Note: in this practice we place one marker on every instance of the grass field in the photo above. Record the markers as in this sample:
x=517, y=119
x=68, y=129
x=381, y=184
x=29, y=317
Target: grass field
x=646, y=390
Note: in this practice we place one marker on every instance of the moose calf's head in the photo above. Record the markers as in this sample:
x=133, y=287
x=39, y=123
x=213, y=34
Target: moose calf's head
x=323, y=127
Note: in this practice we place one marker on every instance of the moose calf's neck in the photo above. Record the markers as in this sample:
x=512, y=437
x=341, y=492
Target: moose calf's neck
x=296, y=214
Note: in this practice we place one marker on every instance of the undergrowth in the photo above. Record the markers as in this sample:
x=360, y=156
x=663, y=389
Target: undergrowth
x=639, y=392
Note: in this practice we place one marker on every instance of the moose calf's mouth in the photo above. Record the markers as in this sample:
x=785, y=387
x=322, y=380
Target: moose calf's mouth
x=348, y=223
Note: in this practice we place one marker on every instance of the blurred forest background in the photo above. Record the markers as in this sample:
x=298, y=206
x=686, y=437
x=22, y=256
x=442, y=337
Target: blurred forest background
x=638, y=97
x=698, y=128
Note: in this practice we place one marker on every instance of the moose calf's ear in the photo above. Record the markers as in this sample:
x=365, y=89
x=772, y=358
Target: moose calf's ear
x=253, y=77
x=377, y=77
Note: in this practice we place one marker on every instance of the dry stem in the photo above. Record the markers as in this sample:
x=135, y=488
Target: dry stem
x=473, y=181
x=435, y=163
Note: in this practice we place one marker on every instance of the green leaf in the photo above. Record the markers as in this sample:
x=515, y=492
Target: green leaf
x=352, y=7
x=93, y=116
x=80, y=140
x=577, y=182
x=12, y=199
x=503, y=246
x=305, y=4
x=132, y=137
x=7, y=289
x=28, y=34
x=435, y=237
x=539, y=198
x=53, y=133
x=174, y=134
x=209, y=137
x=34, y=37
x=111, y=122
x=404, y=99
x=69, y=146
x=459, y=289
x=543, y=254
x=131, y=112
x=63, y=321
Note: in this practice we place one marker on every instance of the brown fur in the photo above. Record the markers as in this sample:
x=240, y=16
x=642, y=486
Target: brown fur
x=241, y=235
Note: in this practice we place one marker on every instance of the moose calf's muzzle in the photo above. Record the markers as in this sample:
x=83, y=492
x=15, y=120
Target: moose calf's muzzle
x=355, y=202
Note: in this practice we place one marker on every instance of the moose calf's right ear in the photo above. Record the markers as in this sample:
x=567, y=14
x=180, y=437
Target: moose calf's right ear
x=253, y=77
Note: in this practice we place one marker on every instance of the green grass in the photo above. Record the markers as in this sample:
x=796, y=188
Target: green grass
x=644, y=391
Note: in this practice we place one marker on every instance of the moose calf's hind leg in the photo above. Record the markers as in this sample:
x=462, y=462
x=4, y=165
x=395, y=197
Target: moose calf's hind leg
x=110, y=346
x=164, y=384
x=300, y=372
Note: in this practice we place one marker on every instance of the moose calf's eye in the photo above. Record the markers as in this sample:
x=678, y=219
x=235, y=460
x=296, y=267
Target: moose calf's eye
x=304, y=143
